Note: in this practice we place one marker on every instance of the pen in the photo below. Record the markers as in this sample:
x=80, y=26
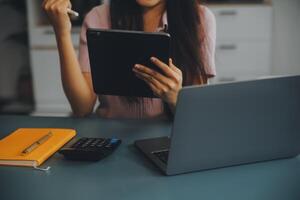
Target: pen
x=72, y=12
x=37, y=144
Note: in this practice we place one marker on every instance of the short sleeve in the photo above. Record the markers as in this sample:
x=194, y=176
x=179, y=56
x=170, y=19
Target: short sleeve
x=98, y=17
x=209, y=26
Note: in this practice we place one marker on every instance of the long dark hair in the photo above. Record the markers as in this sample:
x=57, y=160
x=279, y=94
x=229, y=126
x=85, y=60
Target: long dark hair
x=184, y=26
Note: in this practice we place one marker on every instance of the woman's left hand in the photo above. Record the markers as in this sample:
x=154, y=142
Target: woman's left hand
x=166, y=85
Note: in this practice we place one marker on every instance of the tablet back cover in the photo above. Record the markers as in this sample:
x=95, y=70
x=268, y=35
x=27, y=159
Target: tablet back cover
x=113, y=55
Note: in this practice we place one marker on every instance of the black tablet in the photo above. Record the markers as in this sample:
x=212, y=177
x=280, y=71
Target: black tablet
x=113, y=54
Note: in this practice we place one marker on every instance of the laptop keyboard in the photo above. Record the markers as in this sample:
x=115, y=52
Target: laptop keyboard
x=162, y=155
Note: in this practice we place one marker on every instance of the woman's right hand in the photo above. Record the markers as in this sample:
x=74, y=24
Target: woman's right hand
x=57, y=11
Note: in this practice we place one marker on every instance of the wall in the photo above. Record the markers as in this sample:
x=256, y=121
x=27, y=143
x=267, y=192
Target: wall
x=15, y=79
x=13, y=56
x=286, y=38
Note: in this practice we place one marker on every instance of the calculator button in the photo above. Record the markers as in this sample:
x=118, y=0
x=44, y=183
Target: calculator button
x=100, y=143
x=84, y=140
x=91, y=143
x=77, y=144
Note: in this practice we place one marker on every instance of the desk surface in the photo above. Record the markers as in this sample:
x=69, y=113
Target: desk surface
x=128, y=175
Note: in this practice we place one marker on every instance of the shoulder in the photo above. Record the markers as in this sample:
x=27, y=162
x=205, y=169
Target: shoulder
x=99, y=11
x=208, y=21
x=205, y=11
x=98, y=17
x=207, y=15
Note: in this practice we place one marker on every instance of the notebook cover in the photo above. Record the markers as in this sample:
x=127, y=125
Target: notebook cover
x=12, y=146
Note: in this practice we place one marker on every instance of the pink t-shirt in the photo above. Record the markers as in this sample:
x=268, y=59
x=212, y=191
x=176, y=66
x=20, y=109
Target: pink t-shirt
x=117, y=107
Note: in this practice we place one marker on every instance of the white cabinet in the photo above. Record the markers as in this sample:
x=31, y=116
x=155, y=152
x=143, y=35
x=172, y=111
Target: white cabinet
x=242, y=60
x=243, y=49
x=243, y=22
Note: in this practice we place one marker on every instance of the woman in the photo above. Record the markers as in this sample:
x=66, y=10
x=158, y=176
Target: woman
x=193, y=32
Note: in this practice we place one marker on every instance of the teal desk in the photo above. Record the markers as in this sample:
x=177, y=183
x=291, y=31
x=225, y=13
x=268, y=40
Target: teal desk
x=128, y=175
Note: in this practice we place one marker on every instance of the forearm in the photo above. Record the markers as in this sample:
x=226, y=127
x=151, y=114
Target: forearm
x=76, y=88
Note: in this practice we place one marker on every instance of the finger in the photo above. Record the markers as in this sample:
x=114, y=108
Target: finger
x=164, y=67
x=154, y=89
x=51, y=2
x=171, y=84
x=57, y=6
x=44, y=3
x=172, y=66
x=62, y=6
x=63, y=3
x=149, y=79
x=141, y=68
x=47, y=4
x=179, y=76
x=69, y=4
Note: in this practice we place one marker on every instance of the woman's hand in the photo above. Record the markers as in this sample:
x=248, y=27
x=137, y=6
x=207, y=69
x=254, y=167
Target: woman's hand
x=57, y=11
x=166, y=85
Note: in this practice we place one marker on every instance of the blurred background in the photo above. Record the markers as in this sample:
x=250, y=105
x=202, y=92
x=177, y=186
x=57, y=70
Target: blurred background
x=255, y=38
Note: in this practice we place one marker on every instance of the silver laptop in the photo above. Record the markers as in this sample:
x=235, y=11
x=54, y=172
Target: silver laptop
x=230, y=124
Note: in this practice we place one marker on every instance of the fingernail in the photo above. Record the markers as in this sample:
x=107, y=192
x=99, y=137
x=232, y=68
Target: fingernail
x=152, y=59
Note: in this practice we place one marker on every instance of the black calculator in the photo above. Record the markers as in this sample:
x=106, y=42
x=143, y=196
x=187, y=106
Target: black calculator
x=90, y=149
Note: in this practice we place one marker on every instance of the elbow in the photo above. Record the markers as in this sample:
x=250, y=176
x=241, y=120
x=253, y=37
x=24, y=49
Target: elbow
x=81, y=113
x=82, y=109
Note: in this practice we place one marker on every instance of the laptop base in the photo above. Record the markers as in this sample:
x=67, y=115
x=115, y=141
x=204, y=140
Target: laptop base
x=151, y=149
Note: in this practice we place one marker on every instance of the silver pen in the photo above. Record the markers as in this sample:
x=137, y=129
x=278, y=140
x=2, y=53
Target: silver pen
x=37, y=143
x=72, y=12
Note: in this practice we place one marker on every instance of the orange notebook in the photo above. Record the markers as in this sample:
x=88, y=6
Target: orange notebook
x=32, y=146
